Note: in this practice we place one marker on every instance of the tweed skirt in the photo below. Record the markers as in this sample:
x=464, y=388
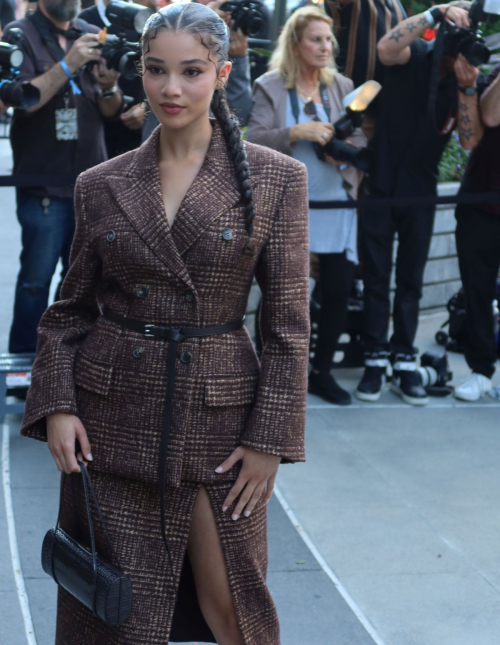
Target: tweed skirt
x=131, y=511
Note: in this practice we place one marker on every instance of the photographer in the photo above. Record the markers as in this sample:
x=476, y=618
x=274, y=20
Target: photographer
x=295, y=105
x=478, y=245
x=62, y=135
x=407, y=147
x=124, y=133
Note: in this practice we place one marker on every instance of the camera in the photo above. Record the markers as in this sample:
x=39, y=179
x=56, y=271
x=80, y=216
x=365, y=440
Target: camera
x=355, y=104
x=467, y=41
x=435, y=373
x=246, y=14
x=118, y=53
x=12, y=92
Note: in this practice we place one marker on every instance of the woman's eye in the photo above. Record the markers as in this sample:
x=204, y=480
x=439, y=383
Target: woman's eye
x=192, y=72
x=154, y=70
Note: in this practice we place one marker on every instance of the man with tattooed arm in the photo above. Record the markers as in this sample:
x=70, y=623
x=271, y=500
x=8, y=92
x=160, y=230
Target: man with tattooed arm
x=407, y=147
x=478, y=242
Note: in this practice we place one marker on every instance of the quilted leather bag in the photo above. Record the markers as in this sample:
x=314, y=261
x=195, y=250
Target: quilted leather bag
x=99, y=585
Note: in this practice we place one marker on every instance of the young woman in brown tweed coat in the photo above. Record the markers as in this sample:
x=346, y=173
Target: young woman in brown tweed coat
x=170, y=236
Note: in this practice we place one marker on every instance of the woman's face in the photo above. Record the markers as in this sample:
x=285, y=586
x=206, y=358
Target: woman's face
x=180, y=78
x=315, y=46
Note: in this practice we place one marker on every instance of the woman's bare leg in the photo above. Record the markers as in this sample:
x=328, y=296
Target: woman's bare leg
x=210, y=575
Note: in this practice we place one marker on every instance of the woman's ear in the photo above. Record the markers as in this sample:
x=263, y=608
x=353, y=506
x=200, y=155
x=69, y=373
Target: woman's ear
x=224, y=74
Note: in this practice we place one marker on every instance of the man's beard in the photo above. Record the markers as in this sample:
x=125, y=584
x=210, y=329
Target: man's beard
x=63, y=10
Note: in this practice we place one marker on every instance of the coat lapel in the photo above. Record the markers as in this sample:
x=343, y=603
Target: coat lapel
x=138, y=193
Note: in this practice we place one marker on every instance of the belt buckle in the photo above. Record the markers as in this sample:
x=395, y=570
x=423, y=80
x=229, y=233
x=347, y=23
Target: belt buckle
x=148, y=330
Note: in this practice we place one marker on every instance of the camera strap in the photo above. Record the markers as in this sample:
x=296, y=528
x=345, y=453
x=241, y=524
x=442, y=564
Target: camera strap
x=294, y=101
x=437, y=57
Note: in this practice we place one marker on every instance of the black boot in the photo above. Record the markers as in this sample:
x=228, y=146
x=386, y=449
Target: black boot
x=324, y=385
x=406, y=380
x=371, y=385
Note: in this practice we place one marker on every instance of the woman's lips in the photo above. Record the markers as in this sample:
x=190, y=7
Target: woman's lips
x=171, y=108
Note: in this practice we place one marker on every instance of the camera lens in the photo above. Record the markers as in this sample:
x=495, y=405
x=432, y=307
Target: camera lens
x=16, y=58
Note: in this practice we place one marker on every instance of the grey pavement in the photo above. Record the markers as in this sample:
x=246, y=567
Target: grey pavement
x=401, y=503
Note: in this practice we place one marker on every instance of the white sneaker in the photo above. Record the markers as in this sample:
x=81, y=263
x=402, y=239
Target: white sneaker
x=474, y=388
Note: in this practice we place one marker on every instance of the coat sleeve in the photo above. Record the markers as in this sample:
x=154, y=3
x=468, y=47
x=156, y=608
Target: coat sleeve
x=62, y=328
x=261, y=124
x=277, y=422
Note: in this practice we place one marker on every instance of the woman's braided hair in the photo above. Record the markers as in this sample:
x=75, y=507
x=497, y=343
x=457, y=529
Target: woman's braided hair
x=213, y=33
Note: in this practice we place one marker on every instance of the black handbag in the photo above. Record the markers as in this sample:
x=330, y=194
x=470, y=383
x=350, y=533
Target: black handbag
x=99, y=585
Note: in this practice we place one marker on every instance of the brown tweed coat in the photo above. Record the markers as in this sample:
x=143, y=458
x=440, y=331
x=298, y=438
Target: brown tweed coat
x=126, y=257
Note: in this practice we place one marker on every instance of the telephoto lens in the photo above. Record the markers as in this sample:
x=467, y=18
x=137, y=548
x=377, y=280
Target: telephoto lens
x=11, y=57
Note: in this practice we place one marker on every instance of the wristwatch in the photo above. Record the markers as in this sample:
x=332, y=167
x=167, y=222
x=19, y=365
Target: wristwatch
x=433, y=16
x=468, y=91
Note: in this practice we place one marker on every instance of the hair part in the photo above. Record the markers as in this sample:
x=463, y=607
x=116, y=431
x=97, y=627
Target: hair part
x=200, y=21
x=284, y=58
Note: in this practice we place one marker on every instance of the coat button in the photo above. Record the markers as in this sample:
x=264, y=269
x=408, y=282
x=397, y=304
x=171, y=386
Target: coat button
x=110, y=237
x=227, y=234
x=138, y=351
x=142, y=292
x=186, y=356
x=189, y=295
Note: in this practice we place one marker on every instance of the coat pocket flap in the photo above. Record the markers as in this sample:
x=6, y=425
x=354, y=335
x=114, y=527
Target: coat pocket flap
x=92, y=374
x=232, y=389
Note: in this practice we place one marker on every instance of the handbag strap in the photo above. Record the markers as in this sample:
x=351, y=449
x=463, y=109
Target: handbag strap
x=87, y=484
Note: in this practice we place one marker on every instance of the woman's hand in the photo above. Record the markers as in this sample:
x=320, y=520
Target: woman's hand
x=62, y=432
x=316, y=131
x=257, y=473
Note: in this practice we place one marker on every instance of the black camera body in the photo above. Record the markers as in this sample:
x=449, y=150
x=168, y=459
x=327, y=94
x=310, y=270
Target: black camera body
x=338, y=149
x=12, y=92
x=466, y=41
x=121, y=55
x=247, y=15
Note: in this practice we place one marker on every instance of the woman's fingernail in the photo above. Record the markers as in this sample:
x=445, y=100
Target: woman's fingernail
x=224, y=509
x=247, y=513
x=89, y=457
x=219, y=469
x=235, y=517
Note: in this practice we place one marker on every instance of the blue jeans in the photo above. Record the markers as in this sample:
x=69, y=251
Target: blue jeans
x=46, y=237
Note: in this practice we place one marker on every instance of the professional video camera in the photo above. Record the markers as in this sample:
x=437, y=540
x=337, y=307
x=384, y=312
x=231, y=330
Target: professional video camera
x=467, y=41
x=12, y=92
x=355, y=104
x=247, y=15
x=120, y=54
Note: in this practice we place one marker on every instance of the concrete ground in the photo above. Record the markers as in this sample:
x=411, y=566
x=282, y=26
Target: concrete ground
x=386, y=535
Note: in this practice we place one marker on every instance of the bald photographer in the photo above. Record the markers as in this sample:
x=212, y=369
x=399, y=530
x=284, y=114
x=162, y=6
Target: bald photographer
x=60, y=136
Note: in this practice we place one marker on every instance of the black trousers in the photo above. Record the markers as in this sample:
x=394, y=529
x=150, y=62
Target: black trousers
x=414, y=227
x=478, y=247
x=336, y=276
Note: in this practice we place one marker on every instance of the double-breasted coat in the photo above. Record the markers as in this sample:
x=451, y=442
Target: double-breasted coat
x=126, y=257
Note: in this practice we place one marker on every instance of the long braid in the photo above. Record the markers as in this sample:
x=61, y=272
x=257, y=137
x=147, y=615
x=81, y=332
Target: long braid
x=236, y=148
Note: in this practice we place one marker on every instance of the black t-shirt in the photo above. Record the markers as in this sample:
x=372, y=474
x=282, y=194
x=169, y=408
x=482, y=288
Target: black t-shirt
x=407, y=145
x=483, y=168
x=35, y=148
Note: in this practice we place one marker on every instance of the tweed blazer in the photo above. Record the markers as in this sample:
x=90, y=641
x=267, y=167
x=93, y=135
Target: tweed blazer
x=267, y=121
x=126, y=257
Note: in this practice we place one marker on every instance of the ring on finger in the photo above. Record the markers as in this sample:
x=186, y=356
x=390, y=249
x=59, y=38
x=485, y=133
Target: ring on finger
x=325, y=136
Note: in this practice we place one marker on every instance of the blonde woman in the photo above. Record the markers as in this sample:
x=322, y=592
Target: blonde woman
x=304, y=85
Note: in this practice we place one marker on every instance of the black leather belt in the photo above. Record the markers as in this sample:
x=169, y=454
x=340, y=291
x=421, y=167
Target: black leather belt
x=174, y=336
